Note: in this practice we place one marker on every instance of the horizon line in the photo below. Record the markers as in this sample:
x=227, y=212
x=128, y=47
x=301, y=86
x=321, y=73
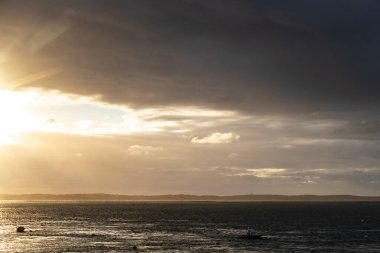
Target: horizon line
x=187, y=197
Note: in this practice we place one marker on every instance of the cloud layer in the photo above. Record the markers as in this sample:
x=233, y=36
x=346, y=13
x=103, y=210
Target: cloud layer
x=262, y=56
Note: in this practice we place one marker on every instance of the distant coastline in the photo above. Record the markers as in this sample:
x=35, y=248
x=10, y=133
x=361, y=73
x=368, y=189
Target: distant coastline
x=184, y=197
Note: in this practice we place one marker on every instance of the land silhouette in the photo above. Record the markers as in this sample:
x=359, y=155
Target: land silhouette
x=184, y=197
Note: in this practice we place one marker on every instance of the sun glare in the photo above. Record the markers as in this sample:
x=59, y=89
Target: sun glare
x=36, y=110
x=13, y=115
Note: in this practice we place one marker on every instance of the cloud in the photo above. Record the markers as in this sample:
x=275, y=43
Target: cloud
x=233, y=155
x=51, y=120
x=235, y=55
x=38, y=164
x=217, y=138
x=137, y=150
x=84, y=124
x=266, y=172
x=318, y=176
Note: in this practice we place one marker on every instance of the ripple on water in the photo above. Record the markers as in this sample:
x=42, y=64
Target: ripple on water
x=189, y=227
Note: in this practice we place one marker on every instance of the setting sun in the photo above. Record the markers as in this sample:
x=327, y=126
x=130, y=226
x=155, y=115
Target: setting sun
x=14, y=116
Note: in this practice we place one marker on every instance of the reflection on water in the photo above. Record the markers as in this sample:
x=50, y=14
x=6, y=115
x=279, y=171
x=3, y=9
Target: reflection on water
x=189, y=227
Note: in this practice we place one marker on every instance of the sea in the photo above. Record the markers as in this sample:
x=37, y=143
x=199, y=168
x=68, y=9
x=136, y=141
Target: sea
x=189, y=226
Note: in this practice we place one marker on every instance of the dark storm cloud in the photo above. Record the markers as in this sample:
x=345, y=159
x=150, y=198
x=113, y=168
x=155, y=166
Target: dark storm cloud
x=253, y=56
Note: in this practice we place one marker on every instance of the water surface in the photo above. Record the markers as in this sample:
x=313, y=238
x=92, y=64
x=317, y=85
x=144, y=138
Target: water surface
x=189, y=226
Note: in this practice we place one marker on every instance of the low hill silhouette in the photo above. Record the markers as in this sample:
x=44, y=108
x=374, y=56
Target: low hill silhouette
x=184, y=197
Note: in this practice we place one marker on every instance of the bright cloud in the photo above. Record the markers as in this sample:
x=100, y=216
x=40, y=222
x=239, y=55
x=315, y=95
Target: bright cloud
x=84, y=124
x=217, y=138
x=266, y=172
x=138, y=150
x=36, y=110
x=259, y=172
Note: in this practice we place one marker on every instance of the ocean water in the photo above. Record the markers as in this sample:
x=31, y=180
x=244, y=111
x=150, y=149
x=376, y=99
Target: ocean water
x=189, y=226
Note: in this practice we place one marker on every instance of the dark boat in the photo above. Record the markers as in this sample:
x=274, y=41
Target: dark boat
x=251, y=234
x=20, y=230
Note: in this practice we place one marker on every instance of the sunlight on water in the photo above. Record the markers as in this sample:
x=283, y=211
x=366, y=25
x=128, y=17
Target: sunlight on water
x=189, y=227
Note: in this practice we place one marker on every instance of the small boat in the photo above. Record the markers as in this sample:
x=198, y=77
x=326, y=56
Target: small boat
x=251, y=234
x=20, y=230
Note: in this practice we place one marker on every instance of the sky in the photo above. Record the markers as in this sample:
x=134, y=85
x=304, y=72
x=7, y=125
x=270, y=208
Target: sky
x=190, y=97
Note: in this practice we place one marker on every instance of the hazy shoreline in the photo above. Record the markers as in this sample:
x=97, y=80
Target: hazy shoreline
x=184, y=197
